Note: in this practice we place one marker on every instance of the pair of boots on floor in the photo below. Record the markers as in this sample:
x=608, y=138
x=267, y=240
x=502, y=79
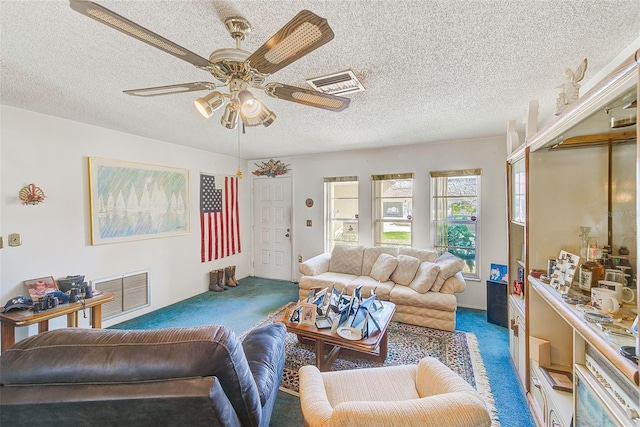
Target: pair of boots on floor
x=220, y=279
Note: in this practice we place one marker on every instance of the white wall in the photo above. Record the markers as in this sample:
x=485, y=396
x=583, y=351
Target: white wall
x=52, y=153
x=487, y=154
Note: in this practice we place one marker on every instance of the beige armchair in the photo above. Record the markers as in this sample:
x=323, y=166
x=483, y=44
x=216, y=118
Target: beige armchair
x=427, y=394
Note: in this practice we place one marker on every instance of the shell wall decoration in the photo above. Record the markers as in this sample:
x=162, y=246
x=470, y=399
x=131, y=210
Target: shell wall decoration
x=272, y=168
x=31, y=195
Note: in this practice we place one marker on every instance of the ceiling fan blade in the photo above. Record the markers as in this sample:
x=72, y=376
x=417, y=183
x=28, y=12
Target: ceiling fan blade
x=300, y=36
x=171, y=89
x=130, y=28
x=307, y=97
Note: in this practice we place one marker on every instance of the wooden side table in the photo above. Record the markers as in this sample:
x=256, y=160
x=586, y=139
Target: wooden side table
x=16, y=318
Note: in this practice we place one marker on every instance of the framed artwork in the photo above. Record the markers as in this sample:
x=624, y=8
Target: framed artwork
x=133, y=201
x=37, y=288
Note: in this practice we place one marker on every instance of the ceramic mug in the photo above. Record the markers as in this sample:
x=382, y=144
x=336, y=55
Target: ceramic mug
x=615, y=276
x=623, y=293
x=604, y=300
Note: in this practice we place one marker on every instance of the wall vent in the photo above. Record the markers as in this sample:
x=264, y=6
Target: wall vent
x=337, y=84
x=131, y=291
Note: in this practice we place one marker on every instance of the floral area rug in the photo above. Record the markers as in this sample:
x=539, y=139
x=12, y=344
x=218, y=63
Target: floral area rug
x=407, y=344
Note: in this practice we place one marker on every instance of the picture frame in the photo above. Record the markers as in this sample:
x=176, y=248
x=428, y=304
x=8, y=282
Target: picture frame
x=295, y=314
x=564, y=271
x=559, y=380
x=134, y=201
x=308, y=314
x=37, y=288
x=499, y=273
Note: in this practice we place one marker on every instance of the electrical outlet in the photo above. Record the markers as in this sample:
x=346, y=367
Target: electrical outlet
x=309, y=223
x=15, y=239
x=299, y=258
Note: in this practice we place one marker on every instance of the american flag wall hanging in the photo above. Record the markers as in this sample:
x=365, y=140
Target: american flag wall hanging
x=219, y=222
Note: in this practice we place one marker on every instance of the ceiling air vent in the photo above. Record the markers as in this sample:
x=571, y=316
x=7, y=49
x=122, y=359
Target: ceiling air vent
x=337, y=84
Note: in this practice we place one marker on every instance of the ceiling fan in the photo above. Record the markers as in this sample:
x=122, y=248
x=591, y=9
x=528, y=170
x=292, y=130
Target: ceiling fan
x=234, y=67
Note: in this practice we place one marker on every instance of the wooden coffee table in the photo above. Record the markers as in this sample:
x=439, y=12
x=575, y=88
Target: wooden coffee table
x=373, y=347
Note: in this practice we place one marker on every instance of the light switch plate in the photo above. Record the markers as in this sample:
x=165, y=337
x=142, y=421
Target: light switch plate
x=15, y=239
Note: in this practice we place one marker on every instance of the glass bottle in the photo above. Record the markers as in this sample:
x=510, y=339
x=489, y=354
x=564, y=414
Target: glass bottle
x=584, y=240
x=591, y=271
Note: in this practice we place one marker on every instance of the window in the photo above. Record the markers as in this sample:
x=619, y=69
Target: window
x=393, y=207
x=342, y=211
x=455, y=208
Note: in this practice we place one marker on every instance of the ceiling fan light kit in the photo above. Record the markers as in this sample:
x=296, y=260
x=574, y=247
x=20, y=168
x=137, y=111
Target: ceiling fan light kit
x=230, y=117
x=234, y=67
x=209, y=103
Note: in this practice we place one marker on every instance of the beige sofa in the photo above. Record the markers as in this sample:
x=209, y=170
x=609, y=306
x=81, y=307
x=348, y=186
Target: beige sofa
x=420, y=284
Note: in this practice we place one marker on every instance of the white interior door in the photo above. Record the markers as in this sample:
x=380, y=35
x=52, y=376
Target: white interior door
x=272, y=204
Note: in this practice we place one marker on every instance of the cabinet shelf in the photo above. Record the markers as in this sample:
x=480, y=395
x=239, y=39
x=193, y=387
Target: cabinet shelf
x=560, y=401
x=590, y=331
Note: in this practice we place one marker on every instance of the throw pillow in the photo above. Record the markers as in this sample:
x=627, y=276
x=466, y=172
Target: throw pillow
x=406, y=270
x=449, y=266
x=423, y=255
x=383, y=267
x=454, y=284
x=425, y=277
x=346, y=259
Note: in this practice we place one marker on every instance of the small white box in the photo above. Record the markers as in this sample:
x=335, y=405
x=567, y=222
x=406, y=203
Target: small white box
x=540, y=351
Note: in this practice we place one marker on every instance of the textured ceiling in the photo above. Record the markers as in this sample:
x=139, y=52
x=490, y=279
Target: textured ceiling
x=433, y=70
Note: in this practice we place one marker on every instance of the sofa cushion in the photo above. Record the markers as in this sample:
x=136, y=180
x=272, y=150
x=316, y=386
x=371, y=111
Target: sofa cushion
x=425, y=277
x=454, y=284
x=326, y=280
x=404, y=296
x=315, y=265
x=406, y=270
x=424, y=255
x=346, y=259
x=382, y=289
x=371, y=255
x=383, y=267
x=449, y=266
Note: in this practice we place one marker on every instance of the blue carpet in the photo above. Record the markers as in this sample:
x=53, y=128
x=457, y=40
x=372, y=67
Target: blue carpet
x=238, y=308
x=242, y=307
x=511, y=404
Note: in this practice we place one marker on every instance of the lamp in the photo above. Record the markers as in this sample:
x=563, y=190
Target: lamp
x=253, y=111
x=208, y=104
x=230, y=117
x=244, y=104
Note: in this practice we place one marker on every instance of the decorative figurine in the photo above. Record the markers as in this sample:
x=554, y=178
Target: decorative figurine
x=569, y=90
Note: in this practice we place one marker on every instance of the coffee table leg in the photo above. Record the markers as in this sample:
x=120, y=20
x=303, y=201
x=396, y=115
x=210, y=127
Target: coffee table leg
x=324, y=363
x=383, y=347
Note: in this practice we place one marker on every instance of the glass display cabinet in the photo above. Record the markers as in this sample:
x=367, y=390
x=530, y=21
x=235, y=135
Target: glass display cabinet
x=578, y=171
